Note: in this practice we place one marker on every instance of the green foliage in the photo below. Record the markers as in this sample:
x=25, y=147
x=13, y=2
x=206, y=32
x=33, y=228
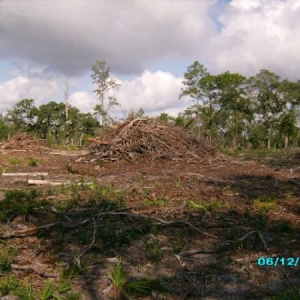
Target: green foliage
x=104, y=83
x=152, y=249
x=123, y=286
x=8, y=284
x=32, y=162
x=289, y=194
x=211, y=206
x=52, y=124
x=15, y=161
x=22, y=115
x=7, y=256
x=167, y=119
x=63, y=286
x=55, y=292
x=4, y=128
x=47, y=292
x=18, y=202
x=156, y=202
x=72, y=296
x=264, y=206
x=239, y=112
x=24, y=292
x=49, y=122
x=192, y=81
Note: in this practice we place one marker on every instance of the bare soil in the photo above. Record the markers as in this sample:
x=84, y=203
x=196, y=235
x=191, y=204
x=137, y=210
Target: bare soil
x=212, y=253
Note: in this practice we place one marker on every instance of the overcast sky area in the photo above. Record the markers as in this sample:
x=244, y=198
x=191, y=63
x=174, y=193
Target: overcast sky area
x=148, y=45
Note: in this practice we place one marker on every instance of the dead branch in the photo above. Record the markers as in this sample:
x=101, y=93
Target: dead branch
x=147, y=138
x=95, y=226
x=36, y=268
x=31, y=231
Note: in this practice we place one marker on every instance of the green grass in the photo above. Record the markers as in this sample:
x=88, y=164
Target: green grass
x=24, y=291
x=6, y=258
x=32, y=162
x=152, y=250
x=14, y=161
x=155, y=202
x=17, y=202
x=212, y=206
x=8, y=284
x=264, y=206
x=123, y=285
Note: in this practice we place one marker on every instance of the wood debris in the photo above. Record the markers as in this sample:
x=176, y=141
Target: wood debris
x=150, y=139
x=24, y=174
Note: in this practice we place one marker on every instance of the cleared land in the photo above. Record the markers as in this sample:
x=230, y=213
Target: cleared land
x=194, y=226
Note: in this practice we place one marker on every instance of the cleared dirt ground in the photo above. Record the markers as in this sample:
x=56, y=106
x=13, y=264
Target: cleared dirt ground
x=203, y=225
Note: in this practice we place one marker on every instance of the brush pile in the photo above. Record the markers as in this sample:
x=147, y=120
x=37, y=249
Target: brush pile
x=22, y=141
x=148, y=138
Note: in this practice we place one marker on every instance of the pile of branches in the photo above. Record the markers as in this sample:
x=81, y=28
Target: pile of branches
x=22, y=141
x=150, y=139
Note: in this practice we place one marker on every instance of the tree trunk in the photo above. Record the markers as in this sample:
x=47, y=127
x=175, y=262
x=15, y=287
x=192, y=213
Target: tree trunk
x=198, y=118
x=286, y=142
x=269, y=138
x=234, y=143
x=80, y=139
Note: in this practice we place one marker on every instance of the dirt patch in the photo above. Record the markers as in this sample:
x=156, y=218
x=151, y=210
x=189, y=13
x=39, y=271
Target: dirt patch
x=23, y=141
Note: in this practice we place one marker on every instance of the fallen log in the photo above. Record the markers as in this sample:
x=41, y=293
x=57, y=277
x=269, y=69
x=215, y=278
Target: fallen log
x=47, y=182
x=25, y=174
x=69, y=153
x=55, y=182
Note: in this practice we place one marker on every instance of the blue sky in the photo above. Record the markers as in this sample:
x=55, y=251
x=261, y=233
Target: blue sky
x=147, y=43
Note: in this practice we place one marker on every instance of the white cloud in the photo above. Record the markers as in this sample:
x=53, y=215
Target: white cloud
x=84, y=101
x=16, y=89
x=258, y=34
x=154, y=92
x=69, y=36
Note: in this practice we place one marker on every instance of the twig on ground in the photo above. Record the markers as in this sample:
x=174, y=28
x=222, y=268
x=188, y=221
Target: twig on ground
x=37, y=269
x=27, y=232
x=95, y=226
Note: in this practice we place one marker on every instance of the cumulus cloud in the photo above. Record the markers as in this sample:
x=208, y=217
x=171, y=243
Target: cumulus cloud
x=258, y=34
x=69, y=36
x=20, y=87
x=154, y=92
x=84, y=101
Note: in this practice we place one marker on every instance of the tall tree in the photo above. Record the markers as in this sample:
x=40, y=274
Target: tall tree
x=104, y=84
x=231, y=98
x=22, y=115
x=192, y=86
x=66, y=98
x=4, y=128
x=272, y=99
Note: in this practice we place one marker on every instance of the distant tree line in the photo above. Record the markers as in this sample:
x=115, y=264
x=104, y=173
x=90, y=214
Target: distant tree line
x=239, y=112
x=49, y=122
x=230, y=110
